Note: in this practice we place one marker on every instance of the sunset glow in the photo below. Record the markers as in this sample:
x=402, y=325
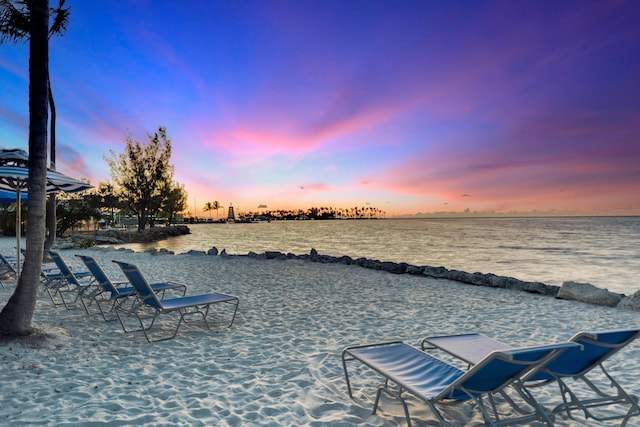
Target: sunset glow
x=412, y=106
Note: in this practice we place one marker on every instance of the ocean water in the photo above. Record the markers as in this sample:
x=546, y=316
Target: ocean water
x=603, y=251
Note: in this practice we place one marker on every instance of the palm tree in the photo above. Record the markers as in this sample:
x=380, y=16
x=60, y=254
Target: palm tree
x=20, y=20
x=208, y=207
x=14, y=26
x=216, y=205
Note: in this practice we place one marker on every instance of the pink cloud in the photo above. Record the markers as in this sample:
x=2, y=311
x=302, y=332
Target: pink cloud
x=317, y=187
x=16, y=121
x=546, y=162
x=288, y=136
x=72, y=161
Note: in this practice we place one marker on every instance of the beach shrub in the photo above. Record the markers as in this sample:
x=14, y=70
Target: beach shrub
x=87, y=243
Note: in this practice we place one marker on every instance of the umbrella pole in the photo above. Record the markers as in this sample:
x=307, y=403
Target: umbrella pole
x=18, y=235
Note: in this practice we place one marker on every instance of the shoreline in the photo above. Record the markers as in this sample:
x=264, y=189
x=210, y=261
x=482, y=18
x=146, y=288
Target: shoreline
x=542, y=250
x=581, y=292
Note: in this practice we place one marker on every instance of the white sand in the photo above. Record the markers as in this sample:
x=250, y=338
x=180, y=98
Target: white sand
x=280, y=362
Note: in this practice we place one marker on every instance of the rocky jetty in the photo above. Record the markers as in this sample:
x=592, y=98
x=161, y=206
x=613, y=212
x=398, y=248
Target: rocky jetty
x=581, y=292
x=116, y=237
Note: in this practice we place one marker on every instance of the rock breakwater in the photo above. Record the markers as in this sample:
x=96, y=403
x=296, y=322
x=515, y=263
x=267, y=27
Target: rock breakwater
x=581, y=292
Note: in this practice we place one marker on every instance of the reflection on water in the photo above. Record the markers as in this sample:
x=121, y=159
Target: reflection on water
x=604, y=251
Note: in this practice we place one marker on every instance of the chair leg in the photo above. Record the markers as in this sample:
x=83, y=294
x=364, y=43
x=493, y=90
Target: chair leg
x=52, y=292
x=346, y=372
x=398, y=396
x=235, y=311
x=573, y=403
x=59, y=291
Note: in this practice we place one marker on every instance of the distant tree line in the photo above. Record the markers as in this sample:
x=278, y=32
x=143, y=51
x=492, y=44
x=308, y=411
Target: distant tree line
x=365, y=212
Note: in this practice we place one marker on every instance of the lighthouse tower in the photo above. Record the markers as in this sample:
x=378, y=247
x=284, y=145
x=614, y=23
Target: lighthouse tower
x=231, y=216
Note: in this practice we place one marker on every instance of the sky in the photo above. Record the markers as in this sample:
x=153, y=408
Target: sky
x=408, y=106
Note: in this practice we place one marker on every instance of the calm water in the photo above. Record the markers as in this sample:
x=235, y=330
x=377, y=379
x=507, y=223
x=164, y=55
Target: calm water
x=603, y=251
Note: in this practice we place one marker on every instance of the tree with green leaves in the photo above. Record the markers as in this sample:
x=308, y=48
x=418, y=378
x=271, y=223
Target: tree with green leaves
x=75, y=209
x=175, y=202
x=108, y=199
x=18, y=20
x=143, y=174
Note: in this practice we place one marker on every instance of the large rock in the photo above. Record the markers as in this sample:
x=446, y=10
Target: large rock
x=275, y=255
x=147, y=235
x=437, y=272
x=586, y=292
x=631, y=302
x=394, y=267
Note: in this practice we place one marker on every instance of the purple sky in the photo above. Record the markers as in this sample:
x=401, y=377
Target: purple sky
x=409, y=106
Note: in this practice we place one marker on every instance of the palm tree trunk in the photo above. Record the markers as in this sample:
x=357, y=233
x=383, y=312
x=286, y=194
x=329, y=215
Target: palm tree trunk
x=51, y=204
x=16, y=316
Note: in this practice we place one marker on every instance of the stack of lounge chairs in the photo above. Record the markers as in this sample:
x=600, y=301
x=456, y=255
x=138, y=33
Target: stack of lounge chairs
x=496, y=372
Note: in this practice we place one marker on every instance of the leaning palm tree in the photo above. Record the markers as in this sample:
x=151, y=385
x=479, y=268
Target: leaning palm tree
x=29, y=20
x=61, y=19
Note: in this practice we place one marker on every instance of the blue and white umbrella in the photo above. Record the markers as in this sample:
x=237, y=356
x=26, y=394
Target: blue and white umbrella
x=10, y=196
x=14, y=177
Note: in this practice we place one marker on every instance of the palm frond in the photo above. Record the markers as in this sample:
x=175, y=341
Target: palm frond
x=60, y=19
x=14, y=22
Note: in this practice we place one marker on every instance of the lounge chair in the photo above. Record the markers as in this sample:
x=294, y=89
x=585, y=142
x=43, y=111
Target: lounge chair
x=48, y=266
x=116, y=293
x=573, y=367
x=65, y=281
x=7, y=269
x=408, y=369
x=8, y=262
x=149, y=300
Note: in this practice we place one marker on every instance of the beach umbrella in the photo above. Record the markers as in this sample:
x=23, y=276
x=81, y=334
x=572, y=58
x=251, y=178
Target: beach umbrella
x=14, y=178
x=10, y=196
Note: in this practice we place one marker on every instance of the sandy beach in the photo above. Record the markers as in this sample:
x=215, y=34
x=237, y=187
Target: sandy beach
x=279, y=364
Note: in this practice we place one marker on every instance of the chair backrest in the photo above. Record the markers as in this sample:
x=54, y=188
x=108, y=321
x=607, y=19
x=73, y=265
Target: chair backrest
x=64, y=268
x=97, y=272
x=501, y=368
x=140, y=284
x=6, y=264
x=597, y=347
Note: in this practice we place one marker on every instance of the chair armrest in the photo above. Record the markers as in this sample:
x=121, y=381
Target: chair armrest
x=179, y=286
